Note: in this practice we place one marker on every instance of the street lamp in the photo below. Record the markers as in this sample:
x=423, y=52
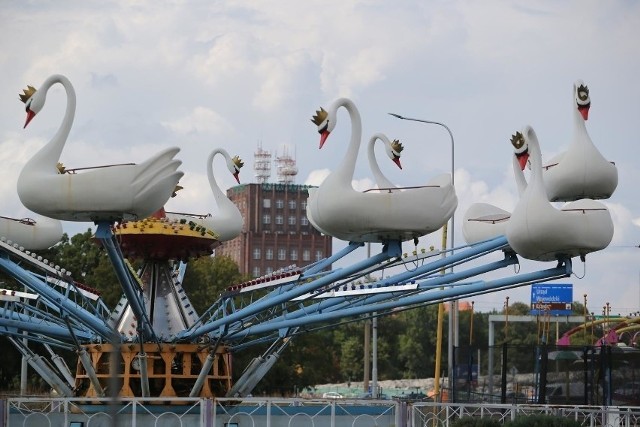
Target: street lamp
x=453, y=314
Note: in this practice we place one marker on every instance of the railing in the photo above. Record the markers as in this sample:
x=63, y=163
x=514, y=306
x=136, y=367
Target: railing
x=425, y=414
x=177, y=412
x=44, y=412
x=250, y=412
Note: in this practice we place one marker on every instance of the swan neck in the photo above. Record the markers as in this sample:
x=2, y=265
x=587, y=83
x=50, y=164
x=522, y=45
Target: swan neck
x=50, y=153
x=348, y=165
x=578, y=120
x=215, y=188
x=373, y=162
x=381, y=180
x=536, y=159
x=521, y=182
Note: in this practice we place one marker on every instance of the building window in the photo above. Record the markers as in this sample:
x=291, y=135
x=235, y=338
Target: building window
x=282, y=254
x=306, y=255
x=303, y=205
x=256, y=253
x=304, y=220
x=268, y=270
x=292, y=220
x=266, y=219
x=292, y=204
x=266, y=203
x=294, y=254
x=256, y=271
x=279, y=203
x=319, y=256
x=268, y=253
x=279, y=220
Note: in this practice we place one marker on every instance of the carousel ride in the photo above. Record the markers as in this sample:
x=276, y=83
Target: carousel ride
x=32, y=233
x=396, y=215
x=154, y=344
x=538, y=229
x=581, y=171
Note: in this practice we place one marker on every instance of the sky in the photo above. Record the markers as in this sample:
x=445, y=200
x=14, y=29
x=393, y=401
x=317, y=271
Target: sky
x=242, y=74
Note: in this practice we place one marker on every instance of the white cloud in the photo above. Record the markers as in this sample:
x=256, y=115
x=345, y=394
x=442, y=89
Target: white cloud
x=317, y=177
x=235, y=74
x=622, y=220
x=201, y=120
x=363, y=184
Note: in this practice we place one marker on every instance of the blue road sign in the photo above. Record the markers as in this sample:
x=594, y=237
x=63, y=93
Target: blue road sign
x=555, y=300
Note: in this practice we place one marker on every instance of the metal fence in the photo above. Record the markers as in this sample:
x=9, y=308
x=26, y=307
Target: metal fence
x=444, y=414
x=74, y=412
x=157, y=412
x=568, y=375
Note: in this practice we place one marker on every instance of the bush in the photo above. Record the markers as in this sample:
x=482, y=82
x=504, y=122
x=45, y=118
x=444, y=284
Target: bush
x=522, y=421
x=542, y=421
x=475, y=422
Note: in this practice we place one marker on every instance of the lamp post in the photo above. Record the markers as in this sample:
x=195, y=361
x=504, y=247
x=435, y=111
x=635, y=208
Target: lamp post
x=453, y=312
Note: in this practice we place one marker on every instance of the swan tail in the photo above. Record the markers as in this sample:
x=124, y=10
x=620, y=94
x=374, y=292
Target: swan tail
x=153, y=181
x=159, y=172
x=150, y=168
x=155, y=193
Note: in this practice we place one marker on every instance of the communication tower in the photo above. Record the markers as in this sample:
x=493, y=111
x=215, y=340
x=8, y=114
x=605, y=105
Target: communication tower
x=262, y=164
x=286, y=167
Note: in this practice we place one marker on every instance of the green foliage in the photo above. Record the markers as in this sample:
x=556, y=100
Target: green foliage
x=305, y=362
x=207, y=277
x=416, y=337
x=539, y=420
x=475, y=422
x=89, y=264
x=519, y=308
x=406, y=339
x=351, y=364
x=543, y=421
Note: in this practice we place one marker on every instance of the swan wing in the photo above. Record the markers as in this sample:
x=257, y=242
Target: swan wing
x=483, y=221
x=148, y=169
x=153, y=197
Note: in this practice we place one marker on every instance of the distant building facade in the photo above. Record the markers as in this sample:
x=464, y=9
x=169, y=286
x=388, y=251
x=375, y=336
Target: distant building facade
x=276, y=233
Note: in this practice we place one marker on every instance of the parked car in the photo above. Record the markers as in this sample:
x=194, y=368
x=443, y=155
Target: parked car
x=332, y=395
x=411, y=396
x=363, y=396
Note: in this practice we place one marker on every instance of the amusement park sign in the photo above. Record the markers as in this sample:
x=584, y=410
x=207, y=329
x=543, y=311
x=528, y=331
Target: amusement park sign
x=555, y=300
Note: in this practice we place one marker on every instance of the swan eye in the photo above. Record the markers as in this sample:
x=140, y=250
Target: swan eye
x=27, y=106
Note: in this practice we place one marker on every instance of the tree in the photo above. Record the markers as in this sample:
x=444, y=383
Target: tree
x=417, y=342
x=79, y=254
x=308, y=360
x=207, y=277
x=87, y=261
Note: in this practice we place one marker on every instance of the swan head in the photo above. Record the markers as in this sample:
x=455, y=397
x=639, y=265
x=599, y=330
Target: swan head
x=234, y=165
x=582, y=98
x=520, y=149
x=325, y=126
x=393, y=150
x=34, y=101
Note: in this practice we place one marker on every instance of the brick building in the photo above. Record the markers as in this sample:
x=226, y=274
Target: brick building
x=276, y=231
